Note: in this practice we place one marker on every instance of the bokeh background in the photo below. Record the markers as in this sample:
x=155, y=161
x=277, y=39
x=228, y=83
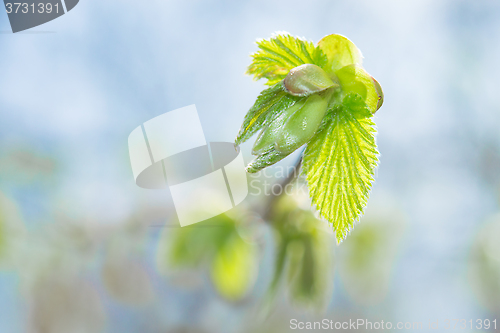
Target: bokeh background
x=82, y=248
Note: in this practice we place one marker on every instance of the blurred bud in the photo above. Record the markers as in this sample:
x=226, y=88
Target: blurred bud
x=304, y=255
x=310, y=273
x=267, y=137
x=484, y=265
x=234, y=268
x=354, y=79
x=294, y=127
x=302, y=125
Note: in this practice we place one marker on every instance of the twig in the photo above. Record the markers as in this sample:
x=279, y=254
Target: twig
x=273, y=199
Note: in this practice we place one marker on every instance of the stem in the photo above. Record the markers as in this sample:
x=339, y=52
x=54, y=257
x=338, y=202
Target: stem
x=271, y=202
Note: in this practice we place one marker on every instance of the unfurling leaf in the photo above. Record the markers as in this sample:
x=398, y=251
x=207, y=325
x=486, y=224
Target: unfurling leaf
x=270, y=103
x=321, y=98
x=264, y=160
x=340, y=52
x=267, y=137
x=278, y=55
x=354, y=79
x=302, y=124
x=345, y=148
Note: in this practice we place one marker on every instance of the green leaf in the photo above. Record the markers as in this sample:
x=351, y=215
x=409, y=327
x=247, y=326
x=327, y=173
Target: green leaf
x=340, y=52
x=270, y=103
x=339, y=164
x=278, y=55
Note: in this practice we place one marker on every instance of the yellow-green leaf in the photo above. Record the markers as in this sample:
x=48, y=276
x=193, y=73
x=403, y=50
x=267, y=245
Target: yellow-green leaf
x=339, y=163
x=340, y=52
x=278, y=55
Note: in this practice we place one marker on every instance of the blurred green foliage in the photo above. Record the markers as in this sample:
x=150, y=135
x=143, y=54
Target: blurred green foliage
x=226, y=247
x=484, y=265
x=231, y=259
x=12, y=232
x=50, y=262
x=304, y=257
x=57, y=258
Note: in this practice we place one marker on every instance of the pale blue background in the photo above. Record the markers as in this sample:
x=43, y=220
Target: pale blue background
x=76, y=87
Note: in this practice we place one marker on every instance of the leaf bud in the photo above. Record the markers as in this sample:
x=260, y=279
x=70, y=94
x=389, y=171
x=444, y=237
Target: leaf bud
x=307, y=79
